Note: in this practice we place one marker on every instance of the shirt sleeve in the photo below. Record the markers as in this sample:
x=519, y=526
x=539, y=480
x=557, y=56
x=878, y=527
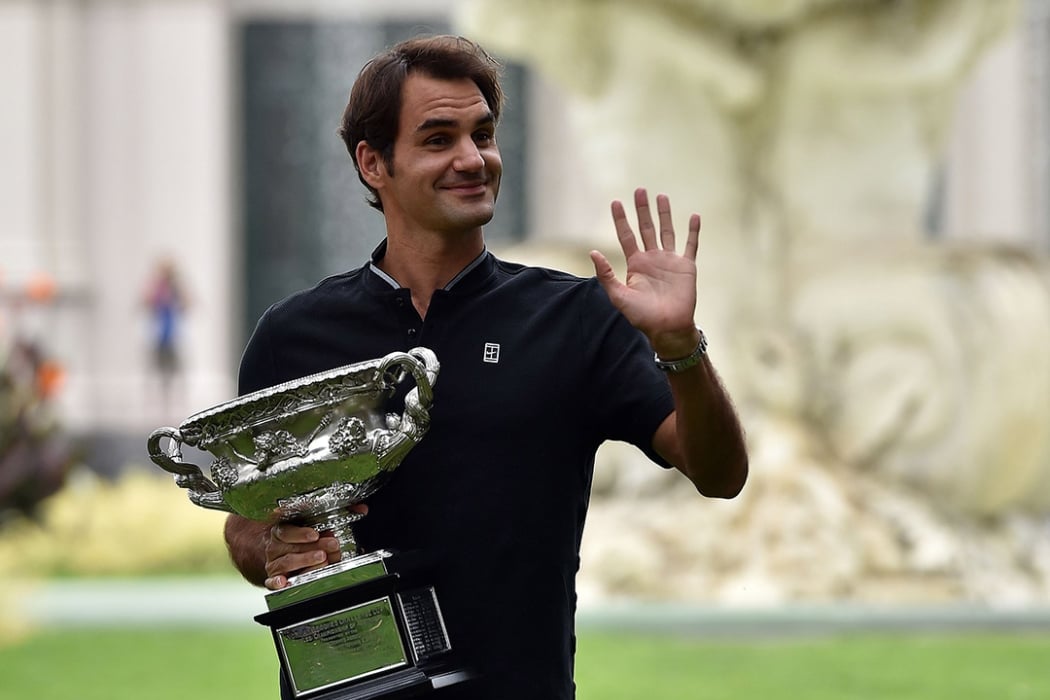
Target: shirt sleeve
x=629, y=396
x=257, y=366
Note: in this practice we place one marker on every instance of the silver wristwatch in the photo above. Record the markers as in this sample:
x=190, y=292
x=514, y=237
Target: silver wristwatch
x=684, y=363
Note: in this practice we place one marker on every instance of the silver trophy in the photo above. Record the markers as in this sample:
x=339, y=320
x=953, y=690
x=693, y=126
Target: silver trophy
x=306, y=452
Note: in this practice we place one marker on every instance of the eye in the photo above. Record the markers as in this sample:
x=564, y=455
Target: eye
x=436, y=140
x=484, y=137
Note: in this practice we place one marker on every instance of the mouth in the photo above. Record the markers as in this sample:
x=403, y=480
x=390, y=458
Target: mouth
x=473, y=188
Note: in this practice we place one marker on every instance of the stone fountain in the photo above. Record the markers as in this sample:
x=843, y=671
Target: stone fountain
x=896, y=390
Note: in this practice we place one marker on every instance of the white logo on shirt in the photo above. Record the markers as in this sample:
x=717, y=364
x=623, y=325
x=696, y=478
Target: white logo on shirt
x=491, y=353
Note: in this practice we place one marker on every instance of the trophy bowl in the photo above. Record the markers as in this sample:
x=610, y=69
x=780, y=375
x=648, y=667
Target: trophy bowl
x=307, y=450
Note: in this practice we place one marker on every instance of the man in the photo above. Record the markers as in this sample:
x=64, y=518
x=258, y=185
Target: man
x=537, y=369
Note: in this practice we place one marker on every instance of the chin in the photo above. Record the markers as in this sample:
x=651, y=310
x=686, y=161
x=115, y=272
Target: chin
x=487, y=217
x=479, y=216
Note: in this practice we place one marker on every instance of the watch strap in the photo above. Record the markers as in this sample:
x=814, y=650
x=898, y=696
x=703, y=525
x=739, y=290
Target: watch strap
x=687, y=362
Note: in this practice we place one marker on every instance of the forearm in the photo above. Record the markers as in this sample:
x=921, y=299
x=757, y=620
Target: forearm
x=246, y=541
x=710, y=444
x=703, y=437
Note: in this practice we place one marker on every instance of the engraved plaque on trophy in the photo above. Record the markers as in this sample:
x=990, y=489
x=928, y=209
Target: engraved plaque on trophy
x=305, y=452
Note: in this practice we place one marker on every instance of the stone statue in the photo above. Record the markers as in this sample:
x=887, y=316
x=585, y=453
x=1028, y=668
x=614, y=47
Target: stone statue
x=807, y=133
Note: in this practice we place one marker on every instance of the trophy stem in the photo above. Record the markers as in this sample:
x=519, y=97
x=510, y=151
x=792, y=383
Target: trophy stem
x=337, y=524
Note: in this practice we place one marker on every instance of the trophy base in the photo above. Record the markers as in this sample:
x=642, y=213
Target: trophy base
x=399, y=684
x=361, y=629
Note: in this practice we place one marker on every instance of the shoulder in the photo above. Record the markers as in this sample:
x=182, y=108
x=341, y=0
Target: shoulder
x=558, y=296
x=510, y=270
x=330, y=292
x=546, y=281
x=291, y=336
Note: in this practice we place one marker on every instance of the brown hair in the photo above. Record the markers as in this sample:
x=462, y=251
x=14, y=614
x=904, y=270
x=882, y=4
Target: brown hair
x=373, y=112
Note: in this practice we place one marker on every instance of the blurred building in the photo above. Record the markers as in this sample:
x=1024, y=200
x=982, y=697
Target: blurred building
x=204, y=131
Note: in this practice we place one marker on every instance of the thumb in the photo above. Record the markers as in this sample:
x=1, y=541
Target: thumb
x=603, y=269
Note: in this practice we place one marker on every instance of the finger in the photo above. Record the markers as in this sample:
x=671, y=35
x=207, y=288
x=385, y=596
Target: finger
x=645, y=219
x=294, y=534
x=663, y=211
x=603, y=270
x=276, y=582
x=692, y=241
x=628, y=243
x=296, y=562
x=328, y=543
x=330, y=546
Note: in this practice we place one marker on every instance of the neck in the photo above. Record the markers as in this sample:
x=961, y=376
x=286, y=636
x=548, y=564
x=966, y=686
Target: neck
x=424, y=265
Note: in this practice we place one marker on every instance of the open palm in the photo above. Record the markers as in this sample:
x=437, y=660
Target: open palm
x=658, y=295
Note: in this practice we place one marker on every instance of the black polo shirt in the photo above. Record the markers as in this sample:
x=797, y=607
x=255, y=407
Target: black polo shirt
x=537, y=369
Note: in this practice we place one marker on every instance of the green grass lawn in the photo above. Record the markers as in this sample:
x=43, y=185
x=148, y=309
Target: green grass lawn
x=240, y=663
x=854, y=667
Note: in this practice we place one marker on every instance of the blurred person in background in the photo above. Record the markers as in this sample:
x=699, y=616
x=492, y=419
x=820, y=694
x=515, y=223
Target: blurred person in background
x=538, y=368
x=166, y=302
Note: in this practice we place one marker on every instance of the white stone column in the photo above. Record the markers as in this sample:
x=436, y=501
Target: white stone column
x=1037, y=64
x=157, y=153
x=41, y=202
x=115, y=126
x=988, y=195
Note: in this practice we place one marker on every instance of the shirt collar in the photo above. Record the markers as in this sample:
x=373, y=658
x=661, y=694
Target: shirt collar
x=476, y=272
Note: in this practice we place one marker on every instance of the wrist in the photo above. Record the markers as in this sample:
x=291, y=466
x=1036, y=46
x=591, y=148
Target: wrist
x=675, y=345
x=681, y=360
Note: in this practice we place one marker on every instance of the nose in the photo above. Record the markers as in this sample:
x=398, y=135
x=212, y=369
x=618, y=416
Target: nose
x=468, y=157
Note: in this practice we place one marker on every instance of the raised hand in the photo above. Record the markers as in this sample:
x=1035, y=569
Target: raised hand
x=658, y=295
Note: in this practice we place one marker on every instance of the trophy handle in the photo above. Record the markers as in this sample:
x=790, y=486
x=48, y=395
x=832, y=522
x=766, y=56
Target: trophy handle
x=202, y=491
x=423, y=365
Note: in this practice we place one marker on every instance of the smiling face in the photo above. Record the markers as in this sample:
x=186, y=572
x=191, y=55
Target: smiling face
x=446, y=166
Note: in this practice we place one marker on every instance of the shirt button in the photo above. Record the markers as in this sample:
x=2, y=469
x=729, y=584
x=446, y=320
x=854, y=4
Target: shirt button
x=411, y=332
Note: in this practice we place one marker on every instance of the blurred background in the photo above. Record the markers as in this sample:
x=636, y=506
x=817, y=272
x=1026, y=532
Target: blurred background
x=874, y=181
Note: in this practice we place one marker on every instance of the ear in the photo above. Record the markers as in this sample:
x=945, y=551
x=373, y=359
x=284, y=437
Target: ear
x=370, y=164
